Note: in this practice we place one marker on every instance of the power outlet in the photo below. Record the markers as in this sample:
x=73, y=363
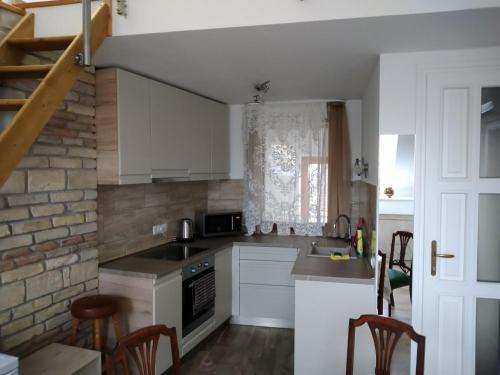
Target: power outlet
x=159, y=229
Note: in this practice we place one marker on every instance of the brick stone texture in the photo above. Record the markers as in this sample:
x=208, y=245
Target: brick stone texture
x=48, y=239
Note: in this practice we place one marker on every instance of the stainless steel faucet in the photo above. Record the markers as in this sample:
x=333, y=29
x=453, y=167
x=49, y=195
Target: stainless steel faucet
x=348, y=235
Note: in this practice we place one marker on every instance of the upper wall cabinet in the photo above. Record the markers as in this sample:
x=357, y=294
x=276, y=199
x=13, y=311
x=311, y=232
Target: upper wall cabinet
x=123, y=123
x=187, y=136
x=220, y=142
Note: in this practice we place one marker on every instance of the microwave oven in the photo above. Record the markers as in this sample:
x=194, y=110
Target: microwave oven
x=218, y=224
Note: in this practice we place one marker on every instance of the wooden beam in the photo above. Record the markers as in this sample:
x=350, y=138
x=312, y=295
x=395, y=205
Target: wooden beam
x=23, y=29
x=110, y=17
x=54, y=43
x=24, y=71
x=11, y=104
x=27, y=124
x=49, y=3
x=12, y=8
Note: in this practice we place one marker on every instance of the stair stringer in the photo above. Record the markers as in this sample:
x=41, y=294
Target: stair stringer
x=29, y=121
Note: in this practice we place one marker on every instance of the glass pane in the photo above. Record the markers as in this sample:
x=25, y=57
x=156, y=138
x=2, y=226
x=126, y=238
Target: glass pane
x=488, y=252
x=487, y=336
x=490, y=132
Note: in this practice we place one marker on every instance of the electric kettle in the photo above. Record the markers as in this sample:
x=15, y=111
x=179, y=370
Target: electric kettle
x=186, y=230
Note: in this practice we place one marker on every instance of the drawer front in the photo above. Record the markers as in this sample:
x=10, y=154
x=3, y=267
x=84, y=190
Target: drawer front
x=266, y=272
x=278, y=254
x=266, y=301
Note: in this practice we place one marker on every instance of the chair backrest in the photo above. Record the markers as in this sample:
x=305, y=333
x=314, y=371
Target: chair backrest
x=141, y=346
x=386, y=333
x=380, y=293
x=404, y=238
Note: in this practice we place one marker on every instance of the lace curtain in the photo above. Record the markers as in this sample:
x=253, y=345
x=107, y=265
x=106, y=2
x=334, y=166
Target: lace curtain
x=286, y=167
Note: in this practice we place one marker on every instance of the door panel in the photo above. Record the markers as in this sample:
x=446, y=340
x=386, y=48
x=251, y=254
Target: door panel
x=455, y=128
x=453, y=229
x=450, y=334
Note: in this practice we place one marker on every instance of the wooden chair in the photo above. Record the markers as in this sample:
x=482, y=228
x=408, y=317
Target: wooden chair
x=386, y=333
x=381, y=282
x=399, y=279
x=142, y=345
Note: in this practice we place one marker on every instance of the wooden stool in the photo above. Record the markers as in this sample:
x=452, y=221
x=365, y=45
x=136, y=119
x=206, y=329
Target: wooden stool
x=95, y=308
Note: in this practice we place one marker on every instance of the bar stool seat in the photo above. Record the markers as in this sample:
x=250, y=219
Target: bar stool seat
x=95, y=308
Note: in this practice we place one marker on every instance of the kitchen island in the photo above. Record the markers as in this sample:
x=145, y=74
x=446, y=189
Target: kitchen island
x=269, y=281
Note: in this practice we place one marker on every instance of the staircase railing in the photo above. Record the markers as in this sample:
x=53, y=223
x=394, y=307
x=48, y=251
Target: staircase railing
x=85, y=58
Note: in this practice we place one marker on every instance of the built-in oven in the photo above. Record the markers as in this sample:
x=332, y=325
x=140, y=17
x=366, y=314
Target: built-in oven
x=198, y=294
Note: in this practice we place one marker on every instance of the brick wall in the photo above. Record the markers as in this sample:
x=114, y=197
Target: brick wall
x=48, y=238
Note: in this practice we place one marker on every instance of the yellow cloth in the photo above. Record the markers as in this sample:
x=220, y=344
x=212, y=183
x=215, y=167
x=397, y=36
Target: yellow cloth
x=340, y=257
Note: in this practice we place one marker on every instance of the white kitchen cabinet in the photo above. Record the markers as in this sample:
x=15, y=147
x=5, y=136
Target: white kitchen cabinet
x=267, y=305
x=123, y=123
x=180, y=134
x=189, y=133
x=167, y=307
x=223, y=285
x=220, y=142
x=266, y=272
x=265, y=295
x=147, y=129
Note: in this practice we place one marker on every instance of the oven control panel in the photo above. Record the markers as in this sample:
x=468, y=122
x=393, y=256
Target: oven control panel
x=198, y=267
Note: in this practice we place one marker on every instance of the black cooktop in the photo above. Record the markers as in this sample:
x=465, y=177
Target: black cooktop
x=172, y=252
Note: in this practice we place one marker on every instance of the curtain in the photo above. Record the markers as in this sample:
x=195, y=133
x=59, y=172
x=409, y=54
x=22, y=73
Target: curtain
x=286, y=167
x=339, y=166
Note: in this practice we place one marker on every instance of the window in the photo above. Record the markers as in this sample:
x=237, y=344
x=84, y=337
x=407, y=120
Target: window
x=286, y=164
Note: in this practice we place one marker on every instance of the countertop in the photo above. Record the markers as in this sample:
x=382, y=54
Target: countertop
x=305, y=268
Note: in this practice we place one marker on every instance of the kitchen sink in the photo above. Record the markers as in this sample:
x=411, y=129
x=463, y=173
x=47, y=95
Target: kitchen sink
x=339, y=248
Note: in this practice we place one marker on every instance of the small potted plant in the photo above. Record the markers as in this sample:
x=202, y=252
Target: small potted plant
x=389, y=191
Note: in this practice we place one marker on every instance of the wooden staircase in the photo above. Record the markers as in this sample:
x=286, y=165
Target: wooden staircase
x=56, y=80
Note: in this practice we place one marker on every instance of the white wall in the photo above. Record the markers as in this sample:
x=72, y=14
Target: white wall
x=387, y=225
x=59, y=20
x=155, y=16
x=370, y=126
x=354, y=110
x=354, y=116
x=398, y=83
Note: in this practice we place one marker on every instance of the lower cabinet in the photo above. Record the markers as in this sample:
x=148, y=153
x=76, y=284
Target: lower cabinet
x=167, y=307
x=265, y=295
x=144, y=302
x=268, y=305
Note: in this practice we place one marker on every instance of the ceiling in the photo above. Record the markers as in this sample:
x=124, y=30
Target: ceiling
x=316, y=60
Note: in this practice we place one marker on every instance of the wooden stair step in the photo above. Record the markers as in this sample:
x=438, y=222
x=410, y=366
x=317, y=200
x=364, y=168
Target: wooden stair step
x=24, y=71
x=52, y=43
x=11, y=104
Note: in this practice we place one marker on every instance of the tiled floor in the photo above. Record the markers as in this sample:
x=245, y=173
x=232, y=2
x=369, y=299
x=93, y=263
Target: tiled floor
x=245, y=350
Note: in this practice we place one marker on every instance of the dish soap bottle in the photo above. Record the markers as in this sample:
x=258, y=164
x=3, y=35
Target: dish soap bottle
x=359, y=242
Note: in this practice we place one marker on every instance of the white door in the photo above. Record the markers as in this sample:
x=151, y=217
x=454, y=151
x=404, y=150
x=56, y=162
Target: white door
x=461, y=299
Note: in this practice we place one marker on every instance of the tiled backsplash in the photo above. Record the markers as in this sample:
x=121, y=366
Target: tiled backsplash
x=364, y=204
x=126, y=214
x=225, y=195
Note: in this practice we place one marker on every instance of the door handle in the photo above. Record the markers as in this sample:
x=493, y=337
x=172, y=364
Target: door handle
x=435, y=255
